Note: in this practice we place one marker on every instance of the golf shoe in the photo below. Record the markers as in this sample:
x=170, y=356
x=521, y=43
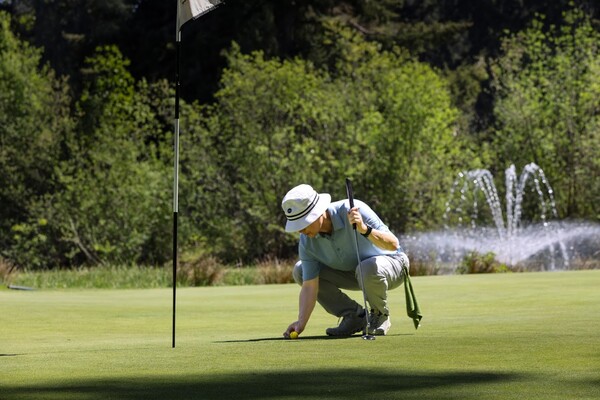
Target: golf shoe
x=379, y=323
x=350, y=325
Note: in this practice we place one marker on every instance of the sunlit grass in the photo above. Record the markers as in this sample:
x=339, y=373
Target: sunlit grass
x=493, y=336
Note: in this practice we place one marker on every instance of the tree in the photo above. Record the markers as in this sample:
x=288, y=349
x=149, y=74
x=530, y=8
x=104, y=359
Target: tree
x=114, y=203
x=547, y=91
x=275, y=123
x=70, y=30
x=379, y=117
x=405, y=127
x=33, y=120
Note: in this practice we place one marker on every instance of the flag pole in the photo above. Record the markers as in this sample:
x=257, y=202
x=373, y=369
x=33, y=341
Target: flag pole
x=176, y=165
x=193, y=10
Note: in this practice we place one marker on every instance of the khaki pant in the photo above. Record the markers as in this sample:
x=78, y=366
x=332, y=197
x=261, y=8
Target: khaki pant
x=380, y=274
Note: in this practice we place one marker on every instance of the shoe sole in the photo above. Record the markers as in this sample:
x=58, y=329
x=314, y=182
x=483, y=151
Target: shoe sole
x=343, y=335
x=378, y=333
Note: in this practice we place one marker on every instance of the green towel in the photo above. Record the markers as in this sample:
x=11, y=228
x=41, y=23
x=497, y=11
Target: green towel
x=412, y=307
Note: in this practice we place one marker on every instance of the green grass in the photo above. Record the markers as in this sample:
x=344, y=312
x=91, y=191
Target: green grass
x=498, y=336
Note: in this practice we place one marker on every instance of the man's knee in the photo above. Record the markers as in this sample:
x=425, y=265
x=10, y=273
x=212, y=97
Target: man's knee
x=371, y=274
x=369, y=267
x=297, y=273
x=383, y=269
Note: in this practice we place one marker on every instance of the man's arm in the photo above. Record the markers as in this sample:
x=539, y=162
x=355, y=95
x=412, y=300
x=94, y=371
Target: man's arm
x=383, y=239
x=307, y=301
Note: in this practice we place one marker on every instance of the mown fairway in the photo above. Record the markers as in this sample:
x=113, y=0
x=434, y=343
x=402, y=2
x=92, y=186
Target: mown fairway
x=504, y=336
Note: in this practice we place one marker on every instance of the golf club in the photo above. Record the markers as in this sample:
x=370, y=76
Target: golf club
x=350, y=194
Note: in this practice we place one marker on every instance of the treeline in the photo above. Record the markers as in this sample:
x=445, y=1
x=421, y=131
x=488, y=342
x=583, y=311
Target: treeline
x=86, y=172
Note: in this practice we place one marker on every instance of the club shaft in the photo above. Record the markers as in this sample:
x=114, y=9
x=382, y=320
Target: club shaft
x=362, y=284
x=350, y=194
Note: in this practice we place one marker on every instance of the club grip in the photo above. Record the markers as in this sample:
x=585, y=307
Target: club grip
x=350, y=195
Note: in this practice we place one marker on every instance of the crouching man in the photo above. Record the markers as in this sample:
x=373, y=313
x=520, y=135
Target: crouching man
x=328, y=261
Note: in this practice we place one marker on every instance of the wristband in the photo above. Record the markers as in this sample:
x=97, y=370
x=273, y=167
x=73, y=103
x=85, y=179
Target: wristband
x=368, y=232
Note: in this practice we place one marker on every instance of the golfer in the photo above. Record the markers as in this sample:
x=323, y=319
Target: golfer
x=328, y=261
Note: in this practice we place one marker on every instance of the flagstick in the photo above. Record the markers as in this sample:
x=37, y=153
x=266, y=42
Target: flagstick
x=193, y=9
x=176, y=168
x=175, y=187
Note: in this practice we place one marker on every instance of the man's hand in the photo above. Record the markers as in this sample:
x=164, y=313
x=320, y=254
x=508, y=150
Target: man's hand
x=354, y=217
x=307, y=301
x=294, y=327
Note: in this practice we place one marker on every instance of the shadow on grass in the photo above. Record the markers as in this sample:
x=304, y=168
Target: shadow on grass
x=305, y=384
x=268, y=339
x=301, y=338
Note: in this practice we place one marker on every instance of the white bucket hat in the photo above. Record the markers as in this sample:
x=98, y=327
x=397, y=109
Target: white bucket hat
x=302, y=206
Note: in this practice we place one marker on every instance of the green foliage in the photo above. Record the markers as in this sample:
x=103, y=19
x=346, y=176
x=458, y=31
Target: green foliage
x=30, y=243
x=114, y=202
x=415, y=143
x=547, y=95
x=110, y=191
x=275, y=124
x=405, y=128
x=377, y=116
x=92, y=192
x=33, y=120
x=465, y=84
x=87, y=181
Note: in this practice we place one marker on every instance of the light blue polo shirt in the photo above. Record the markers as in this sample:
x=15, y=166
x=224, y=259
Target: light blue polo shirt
x=338, y=250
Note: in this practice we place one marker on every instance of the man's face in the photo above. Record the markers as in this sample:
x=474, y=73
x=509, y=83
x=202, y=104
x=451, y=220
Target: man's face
x=313, y=229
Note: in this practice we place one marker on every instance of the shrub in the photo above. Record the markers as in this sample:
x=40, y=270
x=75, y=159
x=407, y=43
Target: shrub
x=476, y=263
x=547, y=90
x=423, y=267
x=275, y=271
x=33, y=119
x=7, y=270
x=203, y=271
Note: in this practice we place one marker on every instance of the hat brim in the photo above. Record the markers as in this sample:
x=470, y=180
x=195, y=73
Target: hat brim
x=316, y=212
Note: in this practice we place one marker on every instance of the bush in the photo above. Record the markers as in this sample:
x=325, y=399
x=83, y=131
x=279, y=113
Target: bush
x=424, y=267
x=547, y=93
x=476, y=263
x=33, y=121
x=274, y=271
x=113, y=206
x=7, y=269
x=204, y=271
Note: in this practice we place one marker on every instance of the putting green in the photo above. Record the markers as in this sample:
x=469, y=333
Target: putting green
x=500, y=336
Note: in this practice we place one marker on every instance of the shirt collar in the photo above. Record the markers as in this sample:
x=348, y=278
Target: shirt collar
x=336, y=218
x=336, y=221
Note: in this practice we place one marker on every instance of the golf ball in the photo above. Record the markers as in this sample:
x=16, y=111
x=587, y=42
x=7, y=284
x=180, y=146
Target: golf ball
x=293, y=335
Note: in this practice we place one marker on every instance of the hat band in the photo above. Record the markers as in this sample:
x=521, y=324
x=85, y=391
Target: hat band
x=306, y=211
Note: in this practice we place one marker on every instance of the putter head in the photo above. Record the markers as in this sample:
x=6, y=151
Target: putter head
x=368, y=337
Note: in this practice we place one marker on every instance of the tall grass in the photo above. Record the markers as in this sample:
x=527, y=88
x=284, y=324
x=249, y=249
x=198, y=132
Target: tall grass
x=208, y=271
x=110, y=277
x=204, y=272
